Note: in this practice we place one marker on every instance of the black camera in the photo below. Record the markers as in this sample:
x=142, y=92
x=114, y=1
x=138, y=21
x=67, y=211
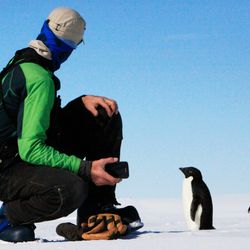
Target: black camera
x=118, y=169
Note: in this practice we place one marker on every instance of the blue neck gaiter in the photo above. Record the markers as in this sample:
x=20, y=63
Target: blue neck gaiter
x=59, y=49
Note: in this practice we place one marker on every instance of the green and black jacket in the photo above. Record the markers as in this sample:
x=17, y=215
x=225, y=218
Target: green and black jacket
x=29, y=94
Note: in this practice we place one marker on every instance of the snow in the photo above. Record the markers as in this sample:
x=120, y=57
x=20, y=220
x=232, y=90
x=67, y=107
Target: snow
x=165, y=228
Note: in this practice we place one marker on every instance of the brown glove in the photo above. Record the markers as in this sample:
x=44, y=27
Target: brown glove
x=99, y=227
x=103, y=227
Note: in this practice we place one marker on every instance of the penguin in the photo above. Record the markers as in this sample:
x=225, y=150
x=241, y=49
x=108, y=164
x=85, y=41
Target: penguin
x=197, y=200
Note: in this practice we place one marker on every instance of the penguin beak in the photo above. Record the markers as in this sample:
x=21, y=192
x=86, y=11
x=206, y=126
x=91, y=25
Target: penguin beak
x=182, y=170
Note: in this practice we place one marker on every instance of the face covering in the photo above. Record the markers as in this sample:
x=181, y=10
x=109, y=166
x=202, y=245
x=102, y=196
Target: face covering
x=60, y=49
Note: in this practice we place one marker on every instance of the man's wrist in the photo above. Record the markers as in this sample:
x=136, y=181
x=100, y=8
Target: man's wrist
x=85, y=170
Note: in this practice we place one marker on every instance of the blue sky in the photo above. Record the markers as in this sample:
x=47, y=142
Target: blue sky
x=179, y=71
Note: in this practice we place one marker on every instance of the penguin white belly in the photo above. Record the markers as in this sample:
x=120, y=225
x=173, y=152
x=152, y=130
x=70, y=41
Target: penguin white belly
x=187, y=197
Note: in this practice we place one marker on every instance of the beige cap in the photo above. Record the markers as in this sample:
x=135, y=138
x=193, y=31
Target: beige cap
x=67, y=24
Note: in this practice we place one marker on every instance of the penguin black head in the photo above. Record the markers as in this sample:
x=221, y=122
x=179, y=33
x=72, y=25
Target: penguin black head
x=192, y=172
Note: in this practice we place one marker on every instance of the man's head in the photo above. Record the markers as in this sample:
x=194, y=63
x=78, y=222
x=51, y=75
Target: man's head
x=67, y=24
x=62, y=31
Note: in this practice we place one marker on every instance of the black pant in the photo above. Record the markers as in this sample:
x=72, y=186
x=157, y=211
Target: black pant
x=39, y=193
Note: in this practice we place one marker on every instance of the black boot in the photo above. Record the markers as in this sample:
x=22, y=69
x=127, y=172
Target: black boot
x=99, y=197
x=129, y=216
x=19, y=233
x=103, y=200
x=15, y=233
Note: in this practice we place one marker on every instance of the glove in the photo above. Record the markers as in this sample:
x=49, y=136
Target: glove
x=99, y=227
x=103, y=227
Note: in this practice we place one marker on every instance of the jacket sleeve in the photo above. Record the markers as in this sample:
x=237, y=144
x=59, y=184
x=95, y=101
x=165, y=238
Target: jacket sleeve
x=37, y=107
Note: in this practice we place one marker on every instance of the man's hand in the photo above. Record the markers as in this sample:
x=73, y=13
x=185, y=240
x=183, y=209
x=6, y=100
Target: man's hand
x=92, y=102
x=98, y=174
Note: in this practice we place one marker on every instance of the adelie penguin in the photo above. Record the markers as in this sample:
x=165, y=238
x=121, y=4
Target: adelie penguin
x=197, y=201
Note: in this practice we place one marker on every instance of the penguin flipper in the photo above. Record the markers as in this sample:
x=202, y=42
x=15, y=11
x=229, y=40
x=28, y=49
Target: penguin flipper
x=194, y=206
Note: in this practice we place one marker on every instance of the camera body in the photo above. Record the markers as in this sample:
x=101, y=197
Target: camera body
x=118, y=169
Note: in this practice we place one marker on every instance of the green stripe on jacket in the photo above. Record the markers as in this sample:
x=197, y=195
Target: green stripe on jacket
x=36, y=120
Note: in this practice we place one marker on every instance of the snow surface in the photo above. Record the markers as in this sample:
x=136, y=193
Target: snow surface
x=165, y=228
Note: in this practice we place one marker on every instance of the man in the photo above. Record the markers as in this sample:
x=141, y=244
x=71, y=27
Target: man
x=52, y=159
